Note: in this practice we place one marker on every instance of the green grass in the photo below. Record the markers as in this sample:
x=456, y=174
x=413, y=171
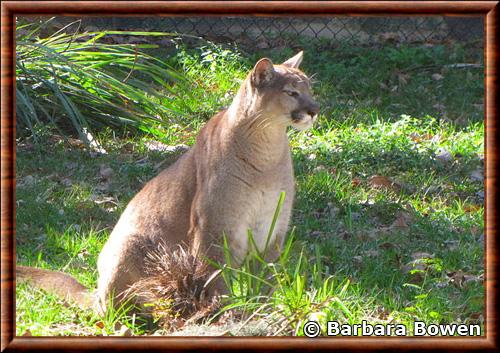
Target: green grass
x=360, y=251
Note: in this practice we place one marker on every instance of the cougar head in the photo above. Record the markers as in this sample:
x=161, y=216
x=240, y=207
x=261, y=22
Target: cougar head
x=283, y=92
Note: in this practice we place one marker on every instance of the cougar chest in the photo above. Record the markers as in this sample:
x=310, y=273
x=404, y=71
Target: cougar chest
x=259, y=213
x=262, y=216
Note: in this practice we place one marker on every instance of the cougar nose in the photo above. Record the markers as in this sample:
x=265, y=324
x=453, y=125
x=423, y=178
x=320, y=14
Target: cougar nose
x=313, y=110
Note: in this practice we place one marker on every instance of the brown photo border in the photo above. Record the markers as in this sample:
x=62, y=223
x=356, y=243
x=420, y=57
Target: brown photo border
x=10, y=9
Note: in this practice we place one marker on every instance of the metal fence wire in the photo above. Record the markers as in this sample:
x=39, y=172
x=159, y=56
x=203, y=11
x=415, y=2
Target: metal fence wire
x=265, y=32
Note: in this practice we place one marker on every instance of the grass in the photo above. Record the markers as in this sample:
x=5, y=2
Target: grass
x=388, y=218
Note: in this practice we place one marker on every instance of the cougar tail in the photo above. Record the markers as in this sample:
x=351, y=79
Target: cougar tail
x=58, y=283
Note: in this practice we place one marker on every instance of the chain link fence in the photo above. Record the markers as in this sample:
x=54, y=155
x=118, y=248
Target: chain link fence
x=253, y=32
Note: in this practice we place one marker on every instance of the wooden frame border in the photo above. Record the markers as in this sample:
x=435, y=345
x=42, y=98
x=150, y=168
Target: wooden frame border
x=9, y=9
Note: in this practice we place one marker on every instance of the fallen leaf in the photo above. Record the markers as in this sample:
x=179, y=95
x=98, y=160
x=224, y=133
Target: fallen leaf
x=355, y=182
x=319, y=168
x=415, y=137
x=124, y=331
x=475, y=230
x=99, y=324
x=103, y=187
x=368, y=202
x=262, y=43
x=161, y=147
x=437, y=77
x=71, y=165
x=373, y=234
x=476, y=317
x=76, y=143
x=94, y=144
x=105, y=172
x=442, y=284
x=136, y=40
x=439, y=106
x=344, y=233
x=27, y=333
x=470, y=208
x=103, y=199
x=358, y=259
x=437, y=138
x=382, y=313
x=403, y=78
x=371, y=253
x=477, y=175
x=333, y=211
x=67, y=182
x=457, y=278
x=451, y=244
x=415, y=265
x=27, y=180
x=142, y=161
x=419, y=255
x=408, y=188
x=401, y=222
x=26, y=146
x=473, y=278
x=387, y=246
x=377, y=181
x=444, y=156
x=433, y=189
x=417, y=277
x=315, y=233
x=319, y=213
x=355, y=216
x=361, y=236
x=83, y=253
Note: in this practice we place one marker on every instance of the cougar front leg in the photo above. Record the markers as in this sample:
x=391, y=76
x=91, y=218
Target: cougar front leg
x=119, y=268
x=207, y=235
x=206, y=247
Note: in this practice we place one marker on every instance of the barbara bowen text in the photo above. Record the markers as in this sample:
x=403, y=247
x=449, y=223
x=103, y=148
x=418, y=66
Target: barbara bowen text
x=420, y=328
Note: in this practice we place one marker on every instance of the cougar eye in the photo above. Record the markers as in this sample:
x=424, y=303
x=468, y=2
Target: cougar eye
x=292, y=93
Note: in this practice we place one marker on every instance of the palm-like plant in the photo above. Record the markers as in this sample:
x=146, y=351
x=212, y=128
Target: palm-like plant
x=79, y=83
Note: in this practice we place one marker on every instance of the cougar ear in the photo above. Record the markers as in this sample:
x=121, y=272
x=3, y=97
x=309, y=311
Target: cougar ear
x=263, y=72
x=294, y=61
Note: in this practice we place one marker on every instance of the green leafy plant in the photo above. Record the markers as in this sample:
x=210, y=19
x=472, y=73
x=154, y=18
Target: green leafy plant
x=78, y=83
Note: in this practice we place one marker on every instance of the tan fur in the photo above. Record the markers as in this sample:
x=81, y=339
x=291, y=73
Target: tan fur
x=56, y=282
x=228, y=182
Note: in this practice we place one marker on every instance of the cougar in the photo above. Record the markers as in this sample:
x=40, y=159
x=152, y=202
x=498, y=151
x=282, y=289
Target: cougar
x=228, y=182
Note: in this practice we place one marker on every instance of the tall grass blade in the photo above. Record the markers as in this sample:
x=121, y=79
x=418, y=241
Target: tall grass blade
x=277, y=211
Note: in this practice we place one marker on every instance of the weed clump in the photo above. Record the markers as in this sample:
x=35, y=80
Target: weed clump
x=174, y=289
